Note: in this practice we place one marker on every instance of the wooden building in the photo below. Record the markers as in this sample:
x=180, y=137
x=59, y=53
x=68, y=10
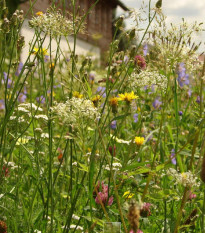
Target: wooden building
x=99, y=23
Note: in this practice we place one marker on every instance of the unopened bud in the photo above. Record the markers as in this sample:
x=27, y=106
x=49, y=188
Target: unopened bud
x=120, y=21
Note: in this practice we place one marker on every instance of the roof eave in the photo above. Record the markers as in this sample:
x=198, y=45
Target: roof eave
x=122, y=5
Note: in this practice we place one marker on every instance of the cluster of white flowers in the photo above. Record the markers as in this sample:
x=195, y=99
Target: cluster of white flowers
x=27, y=107
x=187, y=179
x=54, y=23
x=115, y=167
x=76, y=110
x=149, y=79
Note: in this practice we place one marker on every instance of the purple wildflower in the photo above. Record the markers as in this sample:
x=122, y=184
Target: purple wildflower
x=9, y=81
x=173, y=158
x=22, y=98
x=113, y=125
x=135, y=118
x=92, y=77
x=183, y=78
x=18, y=71
x=126, y=59
x=198, y=99
x=56, y=86
x=157, y=104
x=101, y=91
x=46, y=58
x=145, y=50
x=41, y=99
x=2, y=104
x=189, y=93
x=180, y=113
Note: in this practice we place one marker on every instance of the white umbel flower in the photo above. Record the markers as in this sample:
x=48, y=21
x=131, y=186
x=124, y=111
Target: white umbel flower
x=75, y=110
x=148, y=78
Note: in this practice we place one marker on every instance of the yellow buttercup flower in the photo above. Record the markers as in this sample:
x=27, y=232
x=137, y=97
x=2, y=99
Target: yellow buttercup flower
x=41, y=51
x=39, y=13
x=128, y=195
x=95, y=100
x=128, y=97
x=139, y=140
x=77, y=94
x=113, y=101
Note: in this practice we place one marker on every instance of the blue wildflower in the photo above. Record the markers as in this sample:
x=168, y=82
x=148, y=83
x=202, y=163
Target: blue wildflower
x=157, y=104
x=22, y=98
x=180, y=113
x=18, y=71
x=183, y=78
x=113, y=125
x=101, y=91
x=173, y=158
x=145, y=50
x=135, y=117
x=2, y=105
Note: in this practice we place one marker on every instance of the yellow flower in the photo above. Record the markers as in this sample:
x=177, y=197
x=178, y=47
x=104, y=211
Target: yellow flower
x=41, y=51
x=76, y=94
x=128, y=195
x=184, y=176
x=22, y=141
x=113, y=101
x=52, y=65
x=128, y=97
x=39, y=13
x=95, y=100
x=139, y=140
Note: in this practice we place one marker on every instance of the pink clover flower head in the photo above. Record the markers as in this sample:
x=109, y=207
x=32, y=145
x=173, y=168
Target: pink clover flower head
x=145, y=209
x=140, y=61
x=102, y=195
x=191, y=196
x=138, y=231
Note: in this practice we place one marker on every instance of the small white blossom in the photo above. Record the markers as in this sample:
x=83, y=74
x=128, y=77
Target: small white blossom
x=148, y=78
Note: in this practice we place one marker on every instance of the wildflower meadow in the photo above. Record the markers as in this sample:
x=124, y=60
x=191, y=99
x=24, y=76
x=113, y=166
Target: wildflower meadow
x=101, y=146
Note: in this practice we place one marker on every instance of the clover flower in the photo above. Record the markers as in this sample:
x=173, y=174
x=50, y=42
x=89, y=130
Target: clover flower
x=139, y=141
x=54, y=23
x=102, y=194
x=145, y=210
x=3, y=227
x=128, y=97
x=140, y=62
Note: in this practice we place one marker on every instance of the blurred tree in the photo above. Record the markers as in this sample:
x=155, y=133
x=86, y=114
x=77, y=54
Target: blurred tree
x=13, y=5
